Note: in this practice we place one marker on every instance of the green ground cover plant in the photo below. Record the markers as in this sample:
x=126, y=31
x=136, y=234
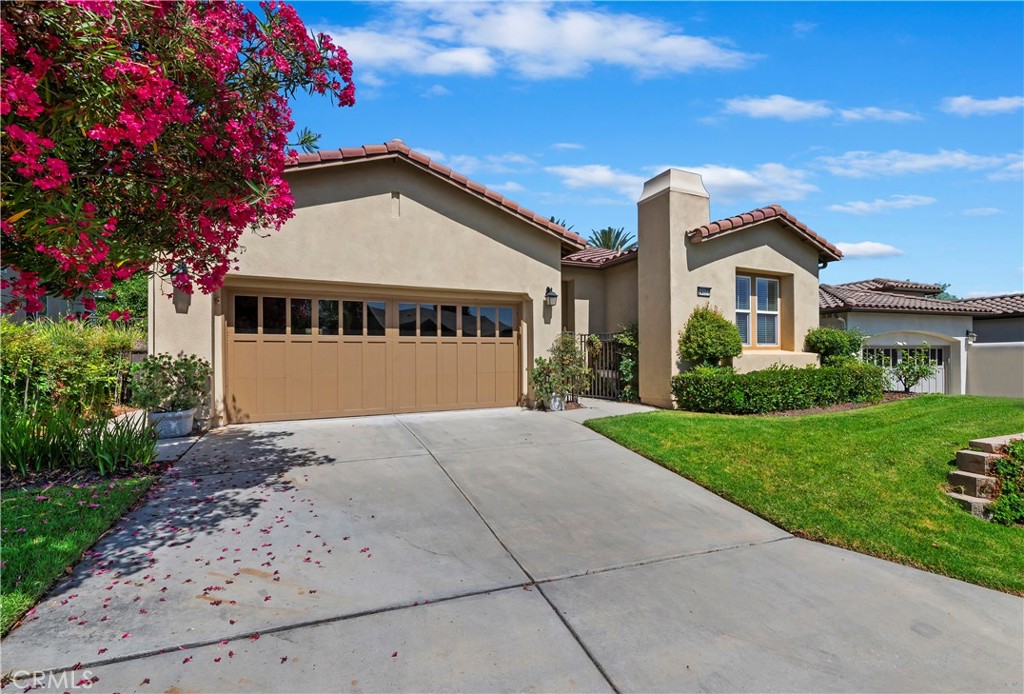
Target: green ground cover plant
x=48, y=529
x=1008, y=507
x=871, y=480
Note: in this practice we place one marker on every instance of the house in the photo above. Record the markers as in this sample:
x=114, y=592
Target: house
x=977, y=345
x=402, y=286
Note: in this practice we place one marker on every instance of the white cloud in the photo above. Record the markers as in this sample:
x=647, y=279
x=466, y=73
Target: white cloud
x=507, y=187
x=893, y=202
x=763, y=183
x=864, y=164
x=1013, y=171
x=875, y=113
x=777, y=106
x=534, y=40
x=982, y=211
x=567, y=145
x=801, y=29
x=868, y=249
x=969, y=106
x=599, y=176
x=469, y=164
x=436, y=90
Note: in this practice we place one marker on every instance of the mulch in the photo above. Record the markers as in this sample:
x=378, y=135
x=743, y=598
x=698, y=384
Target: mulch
x=890, y=396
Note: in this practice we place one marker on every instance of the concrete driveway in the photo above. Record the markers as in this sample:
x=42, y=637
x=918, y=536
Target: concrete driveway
x=497, y=550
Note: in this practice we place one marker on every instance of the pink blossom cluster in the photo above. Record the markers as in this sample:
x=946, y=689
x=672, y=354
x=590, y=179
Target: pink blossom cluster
x=125, y=154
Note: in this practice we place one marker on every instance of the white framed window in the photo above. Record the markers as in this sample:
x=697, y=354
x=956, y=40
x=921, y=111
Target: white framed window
x=743, y=308
x=767, y=312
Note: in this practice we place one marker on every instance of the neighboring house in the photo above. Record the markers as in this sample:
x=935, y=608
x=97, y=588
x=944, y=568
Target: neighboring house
x=895, y=314
x=402, y=286
x=54, y=308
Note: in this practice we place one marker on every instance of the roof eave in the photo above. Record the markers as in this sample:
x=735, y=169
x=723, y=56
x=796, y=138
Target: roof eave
x=825, y=254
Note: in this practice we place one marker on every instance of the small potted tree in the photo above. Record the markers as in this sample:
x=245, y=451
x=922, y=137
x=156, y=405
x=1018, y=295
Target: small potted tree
x=171, y=389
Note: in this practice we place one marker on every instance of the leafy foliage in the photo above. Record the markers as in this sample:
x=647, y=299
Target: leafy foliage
x=720, y=389
x=163, y=383
x=1008, y=506
x=709, y=338
x=565, y=371
x=910, y=367
x=561, y=222
x=140, y=133
x=628, y=342
x=127, y=299
x=65, y=364
x=47, y=438
x=833, y=345
x=612, y=238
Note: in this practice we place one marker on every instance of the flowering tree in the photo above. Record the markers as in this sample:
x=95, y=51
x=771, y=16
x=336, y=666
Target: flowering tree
x=144, y=133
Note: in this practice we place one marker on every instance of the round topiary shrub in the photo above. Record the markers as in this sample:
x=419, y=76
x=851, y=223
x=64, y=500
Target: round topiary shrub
x=709, y=338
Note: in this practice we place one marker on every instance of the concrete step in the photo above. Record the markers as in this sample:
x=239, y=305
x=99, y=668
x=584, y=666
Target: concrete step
x=978, y=462
x=972, y=483
x=974, y=505
x=994, y=444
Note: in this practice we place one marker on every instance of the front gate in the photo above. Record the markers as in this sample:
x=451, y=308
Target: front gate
x=605, y=378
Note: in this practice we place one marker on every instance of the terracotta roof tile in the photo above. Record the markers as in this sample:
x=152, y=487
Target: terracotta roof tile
x=1001, y=305
x=883, y=284
x=399, y=148
x=593, y=256
x=840, y=298
x=826, y=250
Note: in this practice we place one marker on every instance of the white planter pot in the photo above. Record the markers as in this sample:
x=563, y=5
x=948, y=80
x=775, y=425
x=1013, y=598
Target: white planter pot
x=171, y=425
x=557, y=402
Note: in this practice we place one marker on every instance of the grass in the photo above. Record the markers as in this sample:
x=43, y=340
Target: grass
x=46, y=531
x=870, y=480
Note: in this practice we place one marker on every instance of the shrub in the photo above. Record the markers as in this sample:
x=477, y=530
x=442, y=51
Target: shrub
x=542, y=380
x=709, y=338
x=628, y=342
x=1008, y=507
x=49, y=438
x=718, y=389
x=910, y=367
x=166, y=384
x=565, y=371
x=71, y=364
x=834, y=346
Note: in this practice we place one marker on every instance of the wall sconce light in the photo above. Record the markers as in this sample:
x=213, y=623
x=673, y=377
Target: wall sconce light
x=972, y=337
x=550, y=297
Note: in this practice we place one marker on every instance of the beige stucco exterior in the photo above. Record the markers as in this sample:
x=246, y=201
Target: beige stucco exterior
x=996, y=368
x=385, y=227
x=671, y=266
x=605, y=298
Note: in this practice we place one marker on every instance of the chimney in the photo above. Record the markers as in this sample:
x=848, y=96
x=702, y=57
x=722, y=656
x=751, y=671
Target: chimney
x=672, y=203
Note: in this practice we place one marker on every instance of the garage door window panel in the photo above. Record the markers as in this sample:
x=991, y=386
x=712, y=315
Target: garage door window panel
x=376, y=318
x=247, y=315
x=327, y=317
x=449, y=321
x=428, y=320
x=505, y=317
x=488, y=321
x=301, y=316
x=407, y=320
x=469, y=321
x=275, y=315
x=352, y=317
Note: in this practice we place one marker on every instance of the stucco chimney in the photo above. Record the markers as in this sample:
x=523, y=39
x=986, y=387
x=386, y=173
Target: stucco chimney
x=672, y=203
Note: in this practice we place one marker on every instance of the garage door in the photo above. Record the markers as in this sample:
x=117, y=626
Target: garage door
x=302, y=356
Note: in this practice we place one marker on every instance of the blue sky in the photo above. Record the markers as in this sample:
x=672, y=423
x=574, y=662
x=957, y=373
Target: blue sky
x=896, y=130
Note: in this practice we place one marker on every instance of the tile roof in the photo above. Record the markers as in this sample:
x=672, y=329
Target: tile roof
x=594, y=256
x=1003, y=305
x=826, y=250
x=398, y=149
x=883, y=284
x=839, y=298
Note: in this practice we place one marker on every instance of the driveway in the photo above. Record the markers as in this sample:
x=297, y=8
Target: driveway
x=494, y=550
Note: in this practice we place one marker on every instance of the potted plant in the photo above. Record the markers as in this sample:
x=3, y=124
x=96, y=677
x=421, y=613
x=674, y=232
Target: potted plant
x=171, y=389
x=566, y=372
x=542, y=380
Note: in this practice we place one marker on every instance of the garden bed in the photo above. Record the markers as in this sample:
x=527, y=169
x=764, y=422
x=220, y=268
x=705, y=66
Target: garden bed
x=889, y=396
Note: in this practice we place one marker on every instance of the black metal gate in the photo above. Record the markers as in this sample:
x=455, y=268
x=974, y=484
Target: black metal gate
x=605, y=379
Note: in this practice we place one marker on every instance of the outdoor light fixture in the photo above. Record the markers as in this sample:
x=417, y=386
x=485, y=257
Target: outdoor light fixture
x=550, y=298
x=972, y=337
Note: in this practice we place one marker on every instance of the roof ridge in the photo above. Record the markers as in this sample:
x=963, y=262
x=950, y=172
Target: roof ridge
x=396, y=146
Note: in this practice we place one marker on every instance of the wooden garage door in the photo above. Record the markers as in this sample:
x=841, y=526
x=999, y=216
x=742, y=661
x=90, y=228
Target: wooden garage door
x=301, y=356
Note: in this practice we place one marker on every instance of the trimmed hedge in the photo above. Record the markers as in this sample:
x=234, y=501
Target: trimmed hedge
x=776, y=389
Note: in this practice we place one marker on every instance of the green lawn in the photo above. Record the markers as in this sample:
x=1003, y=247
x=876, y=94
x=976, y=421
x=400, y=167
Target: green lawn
x=869, y=479
x=45, y=531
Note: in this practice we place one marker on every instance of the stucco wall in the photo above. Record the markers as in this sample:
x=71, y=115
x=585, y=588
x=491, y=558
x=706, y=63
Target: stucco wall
x=999, y=329
x=915, y=329
x=620, y=296
x=385, y=225
x=996, y=368
x=587, y=287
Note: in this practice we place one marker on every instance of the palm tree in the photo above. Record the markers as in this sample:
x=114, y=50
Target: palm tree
x=561, y=223
x=612, y=239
